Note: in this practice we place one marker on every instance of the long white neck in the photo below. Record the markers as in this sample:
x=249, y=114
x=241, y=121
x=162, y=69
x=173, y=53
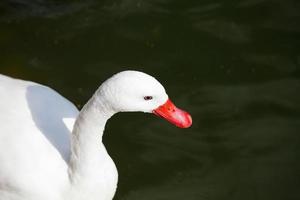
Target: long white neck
x=90, y=166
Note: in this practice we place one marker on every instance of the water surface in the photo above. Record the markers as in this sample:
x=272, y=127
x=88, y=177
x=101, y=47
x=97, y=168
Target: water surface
x=233, y=64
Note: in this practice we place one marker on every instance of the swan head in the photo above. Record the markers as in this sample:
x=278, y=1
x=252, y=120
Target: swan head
x=133, y=91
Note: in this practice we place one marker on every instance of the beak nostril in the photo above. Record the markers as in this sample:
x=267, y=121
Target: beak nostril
x=171, y=109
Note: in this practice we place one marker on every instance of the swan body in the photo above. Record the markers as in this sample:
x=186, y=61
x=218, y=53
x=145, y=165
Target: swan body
x=51, y=151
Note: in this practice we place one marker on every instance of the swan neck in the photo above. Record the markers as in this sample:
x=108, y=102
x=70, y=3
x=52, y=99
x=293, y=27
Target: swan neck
x=92, y=119
x=87, y=150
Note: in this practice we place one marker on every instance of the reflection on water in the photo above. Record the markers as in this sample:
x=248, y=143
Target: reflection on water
x=233, y=65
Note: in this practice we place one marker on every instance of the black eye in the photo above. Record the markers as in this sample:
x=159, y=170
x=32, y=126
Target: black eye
x=148, y=98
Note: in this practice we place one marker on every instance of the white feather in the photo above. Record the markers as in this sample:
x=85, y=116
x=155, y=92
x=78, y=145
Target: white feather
x=42, y=157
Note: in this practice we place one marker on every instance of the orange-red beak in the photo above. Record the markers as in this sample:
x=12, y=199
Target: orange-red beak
x=174, y=115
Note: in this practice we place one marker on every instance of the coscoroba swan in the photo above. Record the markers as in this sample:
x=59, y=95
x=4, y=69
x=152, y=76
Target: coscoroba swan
x=51, y=151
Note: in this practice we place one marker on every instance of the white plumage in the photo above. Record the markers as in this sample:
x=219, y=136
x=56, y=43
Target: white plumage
x=42, y=157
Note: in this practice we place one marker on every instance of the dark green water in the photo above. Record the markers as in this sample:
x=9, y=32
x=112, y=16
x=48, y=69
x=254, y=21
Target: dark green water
x=235, y=65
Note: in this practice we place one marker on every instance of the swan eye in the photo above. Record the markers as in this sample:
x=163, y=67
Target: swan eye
x=147, y=98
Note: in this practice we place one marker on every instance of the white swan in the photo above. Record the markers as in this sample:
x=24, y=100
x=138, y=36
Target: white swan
x=44, y=155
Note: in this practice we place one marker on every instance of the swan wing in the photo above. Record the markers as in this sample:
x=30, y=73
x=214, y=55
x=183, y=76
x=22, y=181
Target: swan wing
x=35, y=127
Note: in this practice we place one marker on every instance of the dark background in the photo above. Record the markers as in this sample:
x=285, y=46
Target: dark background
x=233, y=64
